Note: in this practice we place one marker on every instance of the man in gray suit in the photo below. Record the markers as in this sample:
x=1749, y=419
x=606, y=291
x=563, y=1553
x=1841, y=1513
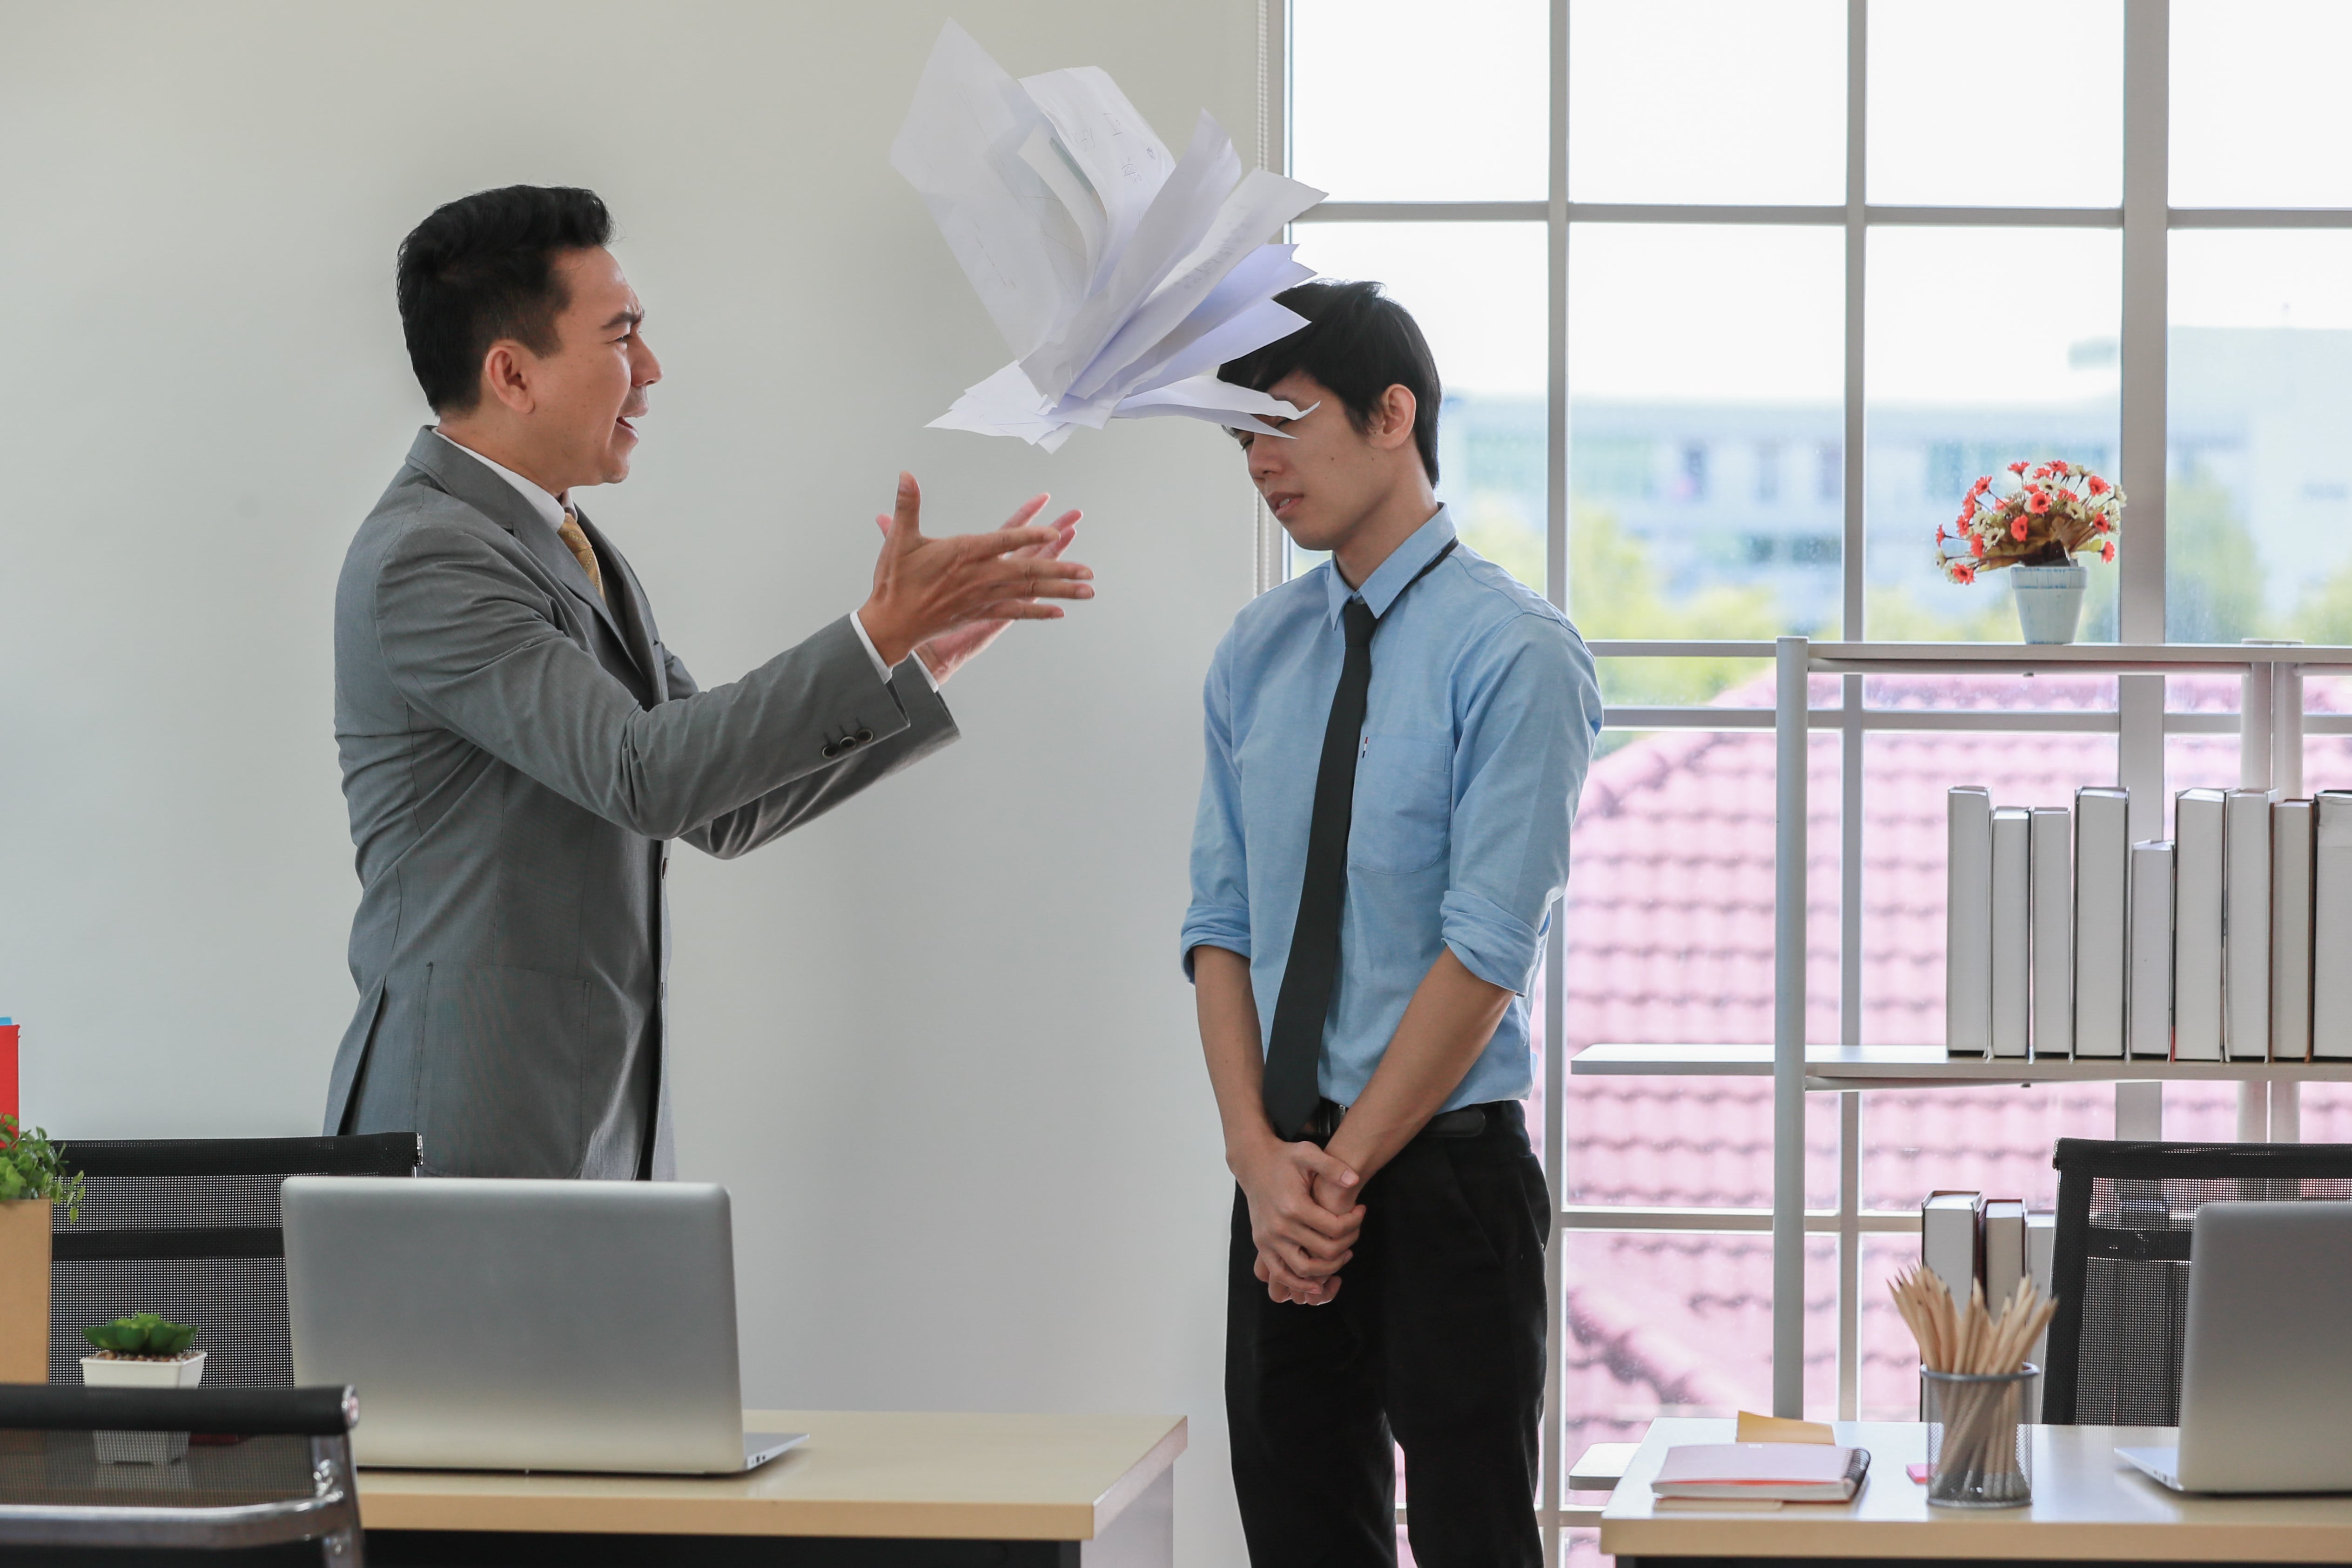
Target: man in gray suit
x=518, y=747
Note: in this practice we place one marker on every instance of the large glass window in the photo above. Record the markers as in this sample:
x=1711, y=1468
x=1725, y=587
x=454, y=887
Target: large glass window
x=2259, y=495
x=1403, y=100
x=1702, y=374
x=2259, y=114
x=1706, y=101
x=1793, y=335
x=2000, y=103
x=1985, y=346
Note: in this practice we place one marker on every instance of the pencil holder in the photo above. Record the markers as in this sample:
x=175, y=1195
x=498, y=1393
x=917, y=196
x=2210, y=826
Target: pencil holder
x=1979, y=1448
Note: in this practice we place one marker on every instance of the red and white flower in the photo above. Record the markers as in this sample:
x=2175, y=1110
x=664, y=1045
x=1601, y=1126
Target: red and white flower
x=2039, y=514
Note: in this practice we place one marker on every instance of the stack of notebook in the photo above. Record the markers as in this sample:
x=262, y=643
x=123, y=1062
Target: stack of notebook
x=2065, y=939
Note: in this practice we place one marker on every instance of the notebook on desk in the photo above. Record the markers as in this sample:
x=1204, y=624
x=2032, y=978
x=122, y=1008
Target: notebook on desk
x=1777, y=1472
x=2267, y=1377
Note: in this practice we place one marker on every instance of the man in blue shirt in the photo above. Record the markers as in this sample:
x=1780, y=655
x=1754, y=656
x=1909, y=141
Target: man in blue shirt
x=1395, y=743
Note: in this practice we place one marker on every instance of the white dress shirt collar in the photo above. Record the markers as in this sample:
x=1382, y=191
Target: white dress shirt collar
x=548, y=507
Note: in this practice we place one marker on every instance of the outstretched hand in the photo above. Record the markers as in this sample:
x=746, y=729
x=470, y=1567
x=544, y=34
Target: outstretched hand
x=946, y=654
x=950, y=597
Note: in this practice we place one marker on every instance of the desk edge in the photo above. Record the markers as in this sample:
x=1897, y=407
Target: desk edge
x=1142, y=1474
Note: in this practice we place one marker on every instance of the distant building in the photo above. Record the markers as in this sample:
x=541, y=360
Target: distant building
x=1753, y=494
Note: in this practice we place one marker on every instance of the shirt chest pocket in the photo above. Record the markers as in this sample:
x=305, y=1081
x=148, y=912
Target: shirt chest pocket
x=1404, y=804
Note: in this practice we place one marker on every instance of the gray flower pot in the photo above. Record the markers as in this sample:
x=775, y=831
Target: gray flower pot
x=2049, y=601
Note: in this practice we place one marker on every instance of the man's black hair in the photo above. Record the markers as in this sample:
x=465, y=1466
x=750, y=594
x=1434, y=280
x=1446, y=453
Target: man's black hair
x=1359, y=342
x=482, y=267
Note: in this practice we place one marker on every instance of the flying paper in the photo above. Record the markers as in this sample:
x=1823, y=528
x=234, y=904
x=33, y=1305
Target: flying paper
x=1120, y=276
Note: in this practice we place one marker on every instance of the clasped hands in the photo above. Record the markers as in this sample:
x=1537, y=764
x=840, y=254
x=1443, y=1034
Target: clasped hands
x=1304, y=1217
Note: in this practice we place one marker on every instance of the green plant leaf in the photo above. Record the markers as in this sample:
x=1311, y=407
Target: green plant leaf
x=122, y=1336
x=33, y=1167
x=142, y=1334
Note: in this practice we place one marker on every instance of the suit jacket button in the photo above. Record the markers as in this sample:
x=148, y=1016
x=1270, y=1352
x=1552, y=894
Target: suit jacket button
x=864, y=736
x=832, y=749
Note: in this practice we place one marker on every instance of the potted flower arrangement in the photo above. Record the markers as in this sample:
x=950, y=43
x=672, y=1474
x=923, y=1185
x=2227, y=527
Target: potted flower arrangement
x=33, y=1180
x=2046, y=514
x=144, y=1349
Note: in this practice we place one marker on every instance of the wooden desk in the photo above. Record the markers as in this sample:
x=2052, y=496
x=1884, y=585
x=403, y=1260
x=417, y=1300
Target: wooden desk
x=866, y=1489
x=2088, y=1507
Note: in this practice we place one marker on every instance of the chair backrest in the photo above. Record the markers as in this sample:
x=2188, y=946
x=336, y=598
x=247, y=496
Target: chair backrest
x=2119, y=1264
x=189, y=1227
x=157, y=1475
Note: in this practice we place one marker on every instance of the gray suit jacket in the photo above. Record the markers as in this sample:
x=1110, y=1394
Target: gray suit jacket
x=517, y=754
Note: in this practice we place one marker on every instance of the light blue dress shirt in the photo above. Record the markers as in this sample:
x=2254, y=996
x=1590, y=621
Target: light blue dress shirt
x=1480, y=725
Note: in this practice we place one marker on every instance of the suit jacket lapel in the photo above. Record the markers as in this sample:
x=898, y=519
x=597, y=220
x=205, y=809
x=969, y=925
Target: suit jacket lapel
x=457, y=471
x=628, y=605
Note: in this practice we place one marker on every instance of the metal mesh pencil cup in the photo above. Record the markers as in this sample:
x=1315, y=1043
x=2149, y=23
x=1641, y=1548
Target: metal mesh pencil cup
x=1979, y=1448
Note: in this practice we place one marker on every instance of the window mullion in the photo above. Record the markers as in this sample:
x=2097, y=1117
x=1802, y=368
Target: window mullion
x=1555, y=588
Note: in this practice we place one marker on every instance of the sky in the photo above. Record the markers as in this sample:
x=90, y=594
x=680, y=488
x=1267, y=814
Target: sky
x=2011, y=102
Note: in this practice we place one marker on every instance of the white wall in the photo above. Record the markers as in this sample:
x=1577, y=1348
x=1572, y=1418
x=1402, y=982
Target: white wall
x=937, y=1045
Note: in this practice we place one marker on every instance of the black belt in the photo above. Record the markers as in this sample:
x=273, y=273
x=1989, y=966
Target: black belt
x=1467, y=1121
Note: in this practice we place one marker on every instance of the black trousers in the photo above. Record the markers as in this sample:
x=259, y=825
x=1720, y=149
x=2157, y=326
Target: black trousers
x=1435, y=1343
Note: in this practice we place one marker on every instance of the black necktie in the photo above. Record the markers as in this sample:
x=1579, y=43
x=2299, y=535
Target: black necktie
x=1295, y=1048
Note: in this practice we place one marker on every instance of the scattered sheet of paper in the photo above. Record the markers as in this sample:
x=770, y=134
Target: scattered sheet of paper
x=1120, y=278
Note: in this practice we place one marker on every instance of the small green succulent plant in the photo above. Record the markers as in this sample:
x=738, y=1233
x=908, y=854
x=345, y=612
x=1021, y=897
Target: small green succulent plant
x=142, y=1334
x=33, y=1167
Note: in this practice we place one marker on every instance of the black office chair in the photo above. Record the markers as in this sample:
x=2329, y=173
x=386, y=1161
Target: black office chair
x=189, y=1227
x=267, y=1481
x=2119, y=1265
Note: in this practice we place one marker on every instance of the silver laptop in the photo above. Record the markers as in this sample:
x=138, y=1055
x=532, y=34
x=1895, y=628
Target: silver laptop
x=2266, y=1381
x=510, y=1325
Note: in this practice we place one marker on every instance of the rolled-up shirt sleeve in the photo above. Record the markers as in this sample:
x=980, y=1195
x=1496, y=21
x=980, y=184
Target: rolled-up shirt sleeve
x=1530, y=709
x=1219, y=913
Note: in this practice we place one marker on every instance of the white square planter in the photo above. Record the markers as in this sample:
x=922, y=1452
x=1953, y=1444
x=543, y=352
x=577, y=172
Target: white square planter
x=142, y=1447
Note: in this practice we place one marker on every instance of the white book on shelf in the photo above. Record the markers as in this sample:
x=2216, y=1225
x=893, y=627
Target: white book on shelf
x=2197, y=819
x=2246, y=924
x=2331, y=927
x=1968, y=922
x=2041, y=1258
x=2013, y=953
x=2005, y=1261
x=1951, y=1238
x=2054, y=932
x=2147, y=1007
x=1951, y=1244
x=2291, y=847
x=2102, y=916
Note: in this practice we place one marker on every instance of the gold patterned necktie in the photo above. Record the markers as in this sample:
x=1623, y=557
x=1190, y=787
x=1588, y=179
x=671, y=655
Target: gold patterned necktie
x=575, y=541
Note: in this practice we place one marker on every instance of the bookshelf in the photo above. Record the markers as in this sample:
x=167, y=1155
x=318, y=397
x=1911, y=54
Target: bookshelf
x=2271, y=729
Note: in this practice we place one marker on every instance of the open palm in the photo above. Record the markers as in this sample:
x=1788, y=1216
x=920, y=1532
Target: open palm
x=945, y=654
